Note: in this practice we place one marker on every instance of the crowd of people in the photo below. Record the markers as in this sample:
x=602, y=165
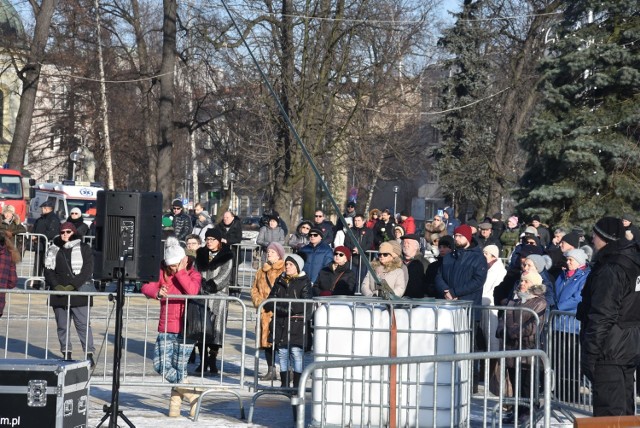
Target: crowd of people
x=489, y=262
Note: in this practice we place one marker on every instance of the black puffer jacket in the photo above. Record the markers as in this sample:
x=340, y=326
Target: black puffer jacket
x=610, y=330
x=340, y=282
x=293, y=314
x=182, y=226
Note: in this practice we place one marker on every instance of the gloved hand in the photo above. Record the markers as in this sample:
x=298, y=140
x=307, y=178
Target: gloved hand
x=64, y=288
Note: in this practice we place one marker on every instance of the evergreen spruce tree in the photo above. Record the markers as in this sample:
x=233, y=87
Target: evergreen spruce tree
x=584, y=159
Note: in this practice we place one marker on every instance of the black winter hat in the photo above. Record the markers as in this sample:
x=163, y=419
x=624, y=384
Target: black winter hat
x=446, y=241
x=629, y=217
x=535, y=218
x=497, y=216
x=177, y=203
x=572, y=238
x=609, y=229
x=213, y=233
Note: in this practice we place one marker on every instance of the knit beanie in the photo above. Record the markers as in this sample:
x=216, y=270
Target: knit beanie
x=572, y=239
x=296, y=260
x=609, y=229
x=541, y=262
x=345, y=250
x=391, y=247
x=214, y=232
x=67, y=225
x=531, y=230
x=493, y=250
x=533, y=277
x=578, y=255
x=278, y=248
x=173, y=252
x=464, y=230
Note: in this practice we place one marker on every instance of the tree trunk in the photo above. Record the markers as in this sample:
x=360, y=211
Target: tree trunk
x=30, y=76
x=166, y=182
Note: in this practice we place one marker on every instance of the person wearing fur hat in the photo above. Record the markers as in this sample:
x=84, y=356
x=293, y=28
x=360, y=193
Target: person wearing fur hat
x=521, y=330
x=388, y=267
x=68, y=266
x=272, y=232
x=436, y=226
x=300, y=238
x=265, y=278
x=290, y=325
x=171, y=352
x=463, y=272
x=336, y=278
x=203, y=223
x=214, y=261
x=610, y=320
x=567, y=296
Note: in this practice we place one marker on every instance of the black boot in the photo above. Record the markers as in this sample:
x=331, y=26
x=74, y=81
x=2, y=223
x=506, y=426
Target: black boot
x=284, y=379
x=67, y=356
x=90, y=358
x=212, y=361
x=192, y=357
x=270, y=375
x=202, y=359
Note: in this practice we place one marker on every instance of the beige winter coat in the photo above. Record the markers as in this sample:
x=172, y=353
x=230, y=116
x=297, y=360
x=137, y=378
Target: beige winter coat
x=395, y=273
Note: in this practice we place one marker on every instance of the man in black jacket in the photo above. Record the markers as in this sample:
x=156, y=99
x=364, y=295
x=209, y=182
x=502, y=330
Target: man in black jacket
x=231, y=231
x=610, y=330
x=181, y=221
x=364, y=236
x=445, y=246
x=416, y=266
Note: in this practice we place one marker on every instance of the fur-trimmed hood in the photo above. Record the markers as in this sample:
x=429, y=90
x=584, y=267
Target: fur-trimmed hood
x=396, y=263
x=202, y=258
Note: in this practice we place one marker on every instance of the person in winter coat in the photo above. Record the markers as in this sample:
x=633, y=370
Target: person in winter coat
x=180, y=221
x=325, y=225
x=214, y=261
x=610, y=320
x=364, y=236
x=270, y=233
x=450, y=220
x=300, y=238
x=48, y=224
x=388, y=267
x=374, y=216
x=567, y=296
x=416, y=267
x=383, y=231
x=316, y=255
x=75, y=218
x=445, y=246
x=171, y=352
x=336, y=278
x=520, y=330
x=541, y=264
x=436, y=226
x=265, y=279
x=12, y=226
x=68, y=266
x=464, y=271
x=231, y=229
x=9, y=257
x=203, y=223
x=407, y=222
x=398, y=233
x=510, y=236
x=291, y=318
x=495, y=275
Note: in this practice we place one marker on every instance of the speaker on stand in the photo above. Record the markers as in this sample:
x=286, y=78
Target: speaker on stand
x=128, y=246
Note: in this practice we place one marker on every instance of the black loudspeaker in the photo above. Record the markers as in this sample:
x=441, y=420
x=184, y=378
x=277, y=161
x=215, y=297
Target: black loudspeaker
x=128, y=224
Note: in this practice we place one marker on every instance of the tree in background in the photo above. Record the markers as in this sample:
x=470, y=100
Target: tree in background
x=583, y=154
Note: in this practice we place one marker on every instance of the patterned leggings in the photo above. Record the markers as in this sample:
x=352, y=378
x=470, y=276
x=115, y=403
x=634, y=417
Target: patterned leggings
x=170, y=357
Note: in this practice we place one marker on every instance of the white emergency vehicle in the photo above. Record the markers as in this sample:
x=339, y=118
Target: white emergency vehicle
x=65, y=196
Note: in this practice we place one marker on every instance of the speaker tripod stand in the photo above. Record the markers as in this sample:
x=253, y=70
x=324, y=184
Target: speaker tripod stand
x=112, y=410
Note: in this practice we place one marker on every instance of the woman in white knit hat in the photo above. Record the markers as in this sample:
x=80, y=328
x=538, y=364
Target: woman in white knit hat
x=171, y=353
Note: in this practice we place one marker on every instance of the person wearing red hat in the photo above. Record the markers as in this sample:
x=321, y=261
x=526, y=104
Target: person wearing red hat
x=336, y=278
x=68, y=266
x=610, y=329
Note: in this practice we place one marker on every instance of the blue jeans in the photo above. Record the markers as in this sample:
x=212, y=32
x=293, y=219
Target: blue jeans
x=293, y=354
x=170, y=357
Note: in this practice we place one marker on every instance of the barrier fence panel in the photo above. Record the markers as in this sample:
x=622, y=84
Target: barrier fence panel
x=431, y=390
x=32, y=248
x=28, y=330
x=247, y=261
x=348, y=327
x=572, y=390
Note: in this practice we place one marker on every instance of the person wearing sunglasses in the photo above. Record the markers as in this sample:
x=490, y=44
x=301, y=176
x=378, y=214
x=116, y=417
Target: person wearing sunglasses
x=388, y=267
x=180, y=220
x=317, y=254
x=300, y=238
x=336, y=278
x=68, y=266
x=321, y=222
x=75, y=218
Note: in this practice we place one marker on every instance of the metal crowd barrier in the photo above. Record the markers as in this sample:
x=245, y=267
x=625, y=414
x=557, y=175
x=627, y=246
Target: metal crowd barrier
x=28, y=330
x=358, y=328
x=430, y=391
x=33, y=248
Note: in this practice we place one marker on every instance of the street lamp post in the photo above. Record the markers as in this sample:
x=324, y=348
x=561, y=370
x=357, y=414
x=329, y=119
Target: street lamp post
x=395, y=198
